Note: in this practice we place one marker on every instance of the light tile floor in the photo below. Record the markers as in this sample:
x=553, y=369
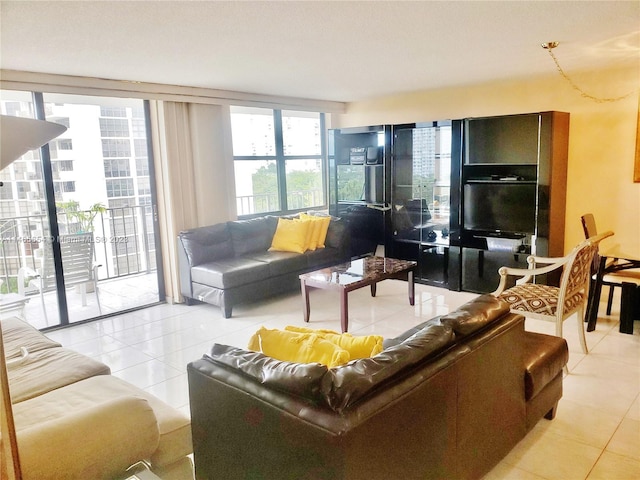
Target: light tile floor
x=595, y=435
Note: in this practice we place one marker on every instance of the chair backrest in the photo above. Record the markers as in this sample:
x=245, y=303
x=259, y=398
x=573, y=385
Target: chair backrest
x=589, y=225
x=577, y=272
x=77, y=261
x=590, y=231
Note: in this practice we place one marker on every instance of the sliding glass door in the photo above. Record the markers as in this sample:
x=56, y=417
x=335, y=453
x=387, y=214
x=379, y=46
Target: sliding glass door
x=24, y=222
x=84, y=214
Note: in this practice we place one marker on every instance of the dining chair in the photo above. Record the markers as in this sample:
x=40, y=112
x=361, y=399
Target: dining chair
x=78, y=267
x=547, y=302
x=613, y=279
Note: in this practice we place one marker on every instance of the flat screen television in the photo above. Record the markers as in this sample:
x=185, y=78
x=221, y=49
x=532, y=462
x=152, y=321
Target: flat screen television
x=500, y=208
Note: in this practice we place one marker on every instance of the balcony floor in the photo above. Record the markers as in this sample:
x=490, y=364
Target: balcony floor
x=115, y=294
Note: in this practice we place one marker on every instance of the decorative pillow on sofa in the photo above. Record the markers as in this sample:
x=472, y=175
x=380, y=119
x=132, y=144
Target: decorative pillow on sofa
x=358, y=347
x=298, y=347
x=253, y=235
x=290, y=236
x=475, y=314
x=207, y=244
x=321, y=227
x=346, y=385
x=302, y=379
x=314, y=231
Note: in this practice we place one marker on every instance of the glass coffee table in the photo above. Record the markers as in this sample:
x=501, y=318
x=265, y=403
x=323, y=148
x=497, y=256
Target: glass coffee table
x=355, y=274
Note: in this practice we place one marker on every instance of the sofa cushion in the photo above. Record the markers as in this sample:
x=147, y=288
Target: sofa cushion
x=300, y=379
x=291, y=236
x=320, y=227
x=206, y=244
x=362, y=346
x=173, y=426
x=252, y=235
x=18, y=334
x=298, y=347
x=280, y=263
x=46, y=370
x=390, y=342
x=231, y=272
x=544, y=358
x=314, y=230
x=344, y=386
x=475, y=314
x=322, y=257
x=335, y=234
x=62, y=435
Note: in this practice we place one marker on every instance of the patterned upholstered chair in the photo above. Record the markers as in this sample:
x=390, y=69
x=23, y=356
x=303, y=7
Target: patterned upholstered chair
x=546, y=302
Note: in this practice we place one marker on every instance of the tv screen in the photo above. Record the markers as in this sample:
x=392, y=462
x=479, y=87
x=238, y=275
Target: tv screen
x=495, y=207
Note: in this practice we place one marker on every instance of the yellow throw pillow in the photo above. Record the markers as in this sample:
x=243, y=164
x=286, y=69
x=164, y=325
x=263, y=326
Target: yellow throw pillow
x=315, y=229
x=298, y=347
x=322, y=224
x=324, y=228
x=358, y=347
x=309, y=240
x=290, y=236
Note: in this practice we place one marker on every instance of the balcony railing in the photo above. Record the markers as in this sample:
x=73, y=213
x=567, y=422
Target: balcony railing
x=123, y=237
x=268, y=202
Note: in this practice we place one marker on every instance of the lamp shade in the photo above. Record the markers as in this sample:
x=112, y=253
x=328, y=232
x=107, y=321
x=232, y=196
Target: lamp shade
x=19, y=135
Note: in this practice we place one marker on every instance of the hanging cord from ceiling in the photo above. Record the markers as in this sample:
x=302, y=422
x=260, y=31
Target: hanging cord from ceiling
x=549, y=46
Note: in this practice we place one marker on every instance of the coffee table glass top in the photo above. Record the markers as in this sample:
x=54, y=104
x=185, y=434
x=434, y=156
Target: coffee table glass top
x=362, y=270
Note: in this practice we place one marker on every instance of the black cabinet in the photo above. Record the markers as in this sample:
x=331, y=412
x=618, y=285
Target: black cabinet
x=359, y=183
x=460, y=197
x=511, y=191
x=420, y=199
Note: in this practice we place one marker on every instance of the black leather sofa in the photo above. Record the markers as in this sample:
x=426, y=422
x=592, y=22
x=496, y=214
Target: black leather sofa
x=229, y=263
x=446, y=400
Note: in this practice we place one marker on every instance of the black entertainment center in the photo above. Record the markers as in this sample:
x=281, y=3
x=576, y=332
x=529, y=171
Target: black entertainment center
x=461, y=197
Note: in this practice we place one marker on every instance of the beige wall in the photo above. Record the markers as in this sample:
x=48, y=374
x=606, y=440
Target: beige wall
x=601, y=139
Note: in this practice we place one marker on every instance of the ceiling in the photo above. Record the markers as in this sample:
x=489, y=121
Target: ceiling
x=329, y=50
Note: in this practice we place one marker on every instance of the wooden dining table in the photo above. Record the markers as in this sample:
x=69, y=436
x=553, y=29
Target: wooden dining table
x=625, y=258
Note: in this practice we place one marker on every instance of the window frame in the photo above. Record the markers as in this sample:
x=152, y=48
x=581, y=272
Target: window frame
x=281, y=161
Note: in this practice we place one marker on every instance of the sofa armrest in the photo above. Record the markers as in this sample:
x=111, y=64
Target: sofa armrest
x=184, y=270
x=101, y=441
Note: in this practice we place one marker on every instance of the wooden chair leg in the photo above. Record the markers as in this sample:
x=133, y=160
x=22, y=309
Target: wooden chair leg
x=610, y=300
x=581, y=335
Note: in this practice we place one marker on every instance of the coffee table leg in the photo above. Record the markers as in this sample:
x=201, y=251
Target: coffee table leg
x=344, y=311
x=373, y=289
x=412, y=288
x=305, y=299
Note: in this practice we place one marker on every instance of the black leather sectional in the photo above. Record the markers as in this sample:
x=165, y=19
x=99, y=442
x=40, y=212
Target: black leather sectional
x=447, y=400
x=230, y=263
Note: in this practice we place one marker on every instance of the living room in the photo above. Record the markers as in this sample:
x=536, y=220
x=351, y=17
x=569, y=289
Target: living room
x=143, y=346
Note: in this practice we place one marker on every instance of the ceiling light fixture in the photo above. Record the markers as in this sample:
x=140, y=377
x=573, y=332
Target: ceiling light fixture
x=549, y=46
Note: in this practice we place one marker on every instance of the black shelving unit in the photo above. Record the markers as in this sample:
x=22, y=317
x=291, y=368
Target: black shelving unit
x=420, y=200
x=359, y=180
x=511, y=183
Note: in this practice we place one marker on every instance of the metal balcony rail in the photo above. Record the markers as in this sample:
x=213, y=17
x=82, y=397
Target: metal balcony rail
x=123, y=237
x=268, y=202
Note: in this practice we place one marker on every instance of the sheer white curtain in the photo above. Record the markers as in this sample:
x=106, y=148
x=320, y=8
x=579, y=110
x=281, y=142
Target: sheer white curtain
x=174, y=164
x=194, y=174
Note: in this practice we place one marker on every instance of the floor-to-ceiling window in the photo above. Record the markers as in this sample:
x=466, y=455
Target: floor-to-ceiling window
x=92, y=186
x=278, y=160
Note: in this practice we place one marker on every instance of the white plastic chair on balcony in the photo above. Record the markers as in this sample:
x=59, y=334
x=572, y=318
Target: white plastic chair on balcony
x=546, y=302
x=78, y=268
